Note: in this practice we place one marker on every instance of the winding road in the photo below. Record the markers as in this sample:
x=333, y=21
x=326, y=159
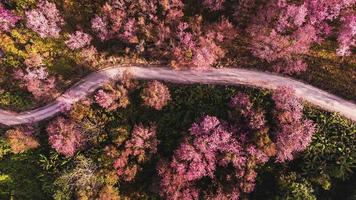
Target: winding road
x=226, y=76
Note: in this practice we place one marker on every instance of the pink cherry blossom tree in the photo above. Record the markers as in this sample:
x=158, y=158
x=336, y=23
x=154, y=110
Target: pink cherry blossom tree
x=282, y=31
x=45, y=19
x=156, y=95
x=162, y=33
x=209, y=145
x=78, y=40
x=294, y=133
x=65, y=136
x=112, y=97
x=21, y=139
x=347, y=35
x=36, y=79
x=137, y=150
x=7, y=19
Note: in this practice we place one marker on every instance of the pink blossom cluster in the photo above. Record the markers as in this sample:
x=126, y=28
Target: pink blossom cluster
x=207, y=53
x=291, y=16
x=321, y=10
x=347, y=35
x=137, y=150
x=36, y=79
x=114, y=21
x=283, y=32
x=213, y=5
x=156, y=95
x=7, y=19
x=251, y=123
x=255, y=120
x=283, y=50
x=294, y=133
x=104, y=99
x=45, y=19
x=209, y=146
x=161, y=32
x=65, y=136
x=99, y=25
x=78, y=40
x=42, y=89
x=34, y=61
x=21, y=139
x=238, y=147
x=112, y=98
x=200, y=46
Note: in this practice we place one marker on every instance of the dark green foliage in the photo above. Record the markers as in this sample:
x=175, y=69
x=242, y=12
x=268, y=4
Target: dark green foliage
x=4, y=148
x=20, y=4
x=20, y=177
x=15, y=100
x=342, y=189
x=333, y=150
x=294, y=187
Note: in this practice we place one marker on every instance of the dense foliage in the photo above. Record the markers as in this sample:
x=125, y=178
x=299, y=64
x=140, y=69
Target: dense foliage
x=156, y=95
x=153, y=140
x=74, y=37
x=212, y=142
x=7, y=19
x=21, y=140
x=45, y=19
x=65, y=136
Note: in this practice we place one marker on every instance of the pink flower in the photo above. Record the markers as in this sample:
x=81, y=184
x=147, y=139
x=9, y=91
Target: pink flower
x=129, y=30
x=207, y=53
x=156, y=95
x=295, y=133
x=184, y=45
x=282, y=31
x=104, y=99
x=45, y=19
x=99, y=25
x=208, y=123
x=292, y=16
x=142, y=144
x=65, y=136
x=290, y=67
x=21, y=139
x=251, y=118
x=259, y=155
x=347, y=35
x=37, y=81
x=112, y=98
x=210, y=145
x=78, y=40
x=7, y=19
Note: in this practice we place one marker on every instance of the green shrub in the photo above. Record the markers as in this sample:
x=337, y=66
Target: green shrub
x=333, y=149
x=4, y=148
x=21, y=5
x=293, y=187
x=19, y=178
x=15, y=101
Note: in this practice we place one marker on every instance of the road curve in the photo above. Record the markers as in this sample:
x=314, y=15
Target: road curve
x=226, y=76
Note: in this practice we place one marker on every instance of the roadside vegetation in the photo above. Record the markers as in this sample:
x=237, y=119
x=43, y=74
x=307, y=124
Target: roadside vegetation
x=154, y=140
x=82, y=152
